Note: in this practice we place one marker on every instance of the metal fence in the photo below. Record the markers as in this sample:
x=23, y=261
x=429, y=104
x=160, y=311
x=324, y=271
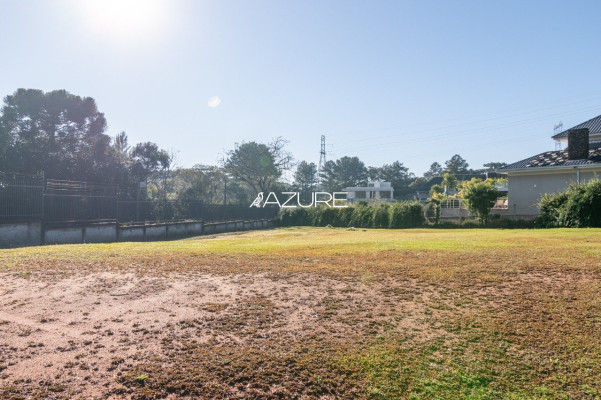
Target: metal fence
x=57, y=202
x=79, y=201
x=169, y=210
x=21, y=197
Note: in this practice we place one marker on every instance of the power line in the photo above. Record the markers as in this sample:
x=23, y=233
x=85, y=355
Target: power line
x=461, y=124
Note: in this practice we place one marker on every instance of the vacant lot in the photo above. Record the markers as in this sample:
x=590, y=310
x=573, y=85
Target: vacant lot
x=307, y=313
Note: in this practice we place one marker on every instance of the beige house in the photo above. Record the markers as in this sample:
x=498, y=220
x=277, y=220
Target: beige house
x=554, y=171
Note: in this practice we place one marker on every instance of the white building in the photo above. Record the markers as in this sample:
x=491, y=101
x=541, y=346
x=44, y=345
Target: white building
x=374, y=191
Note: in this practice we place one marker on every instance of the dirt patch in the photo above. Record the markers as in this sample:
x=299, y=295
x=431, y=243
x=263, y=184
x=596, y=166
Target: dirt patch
x=81, y=331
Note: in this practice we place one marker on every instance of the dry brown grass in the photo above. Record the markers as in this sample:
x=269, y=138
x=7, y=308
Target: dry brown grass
x=307, y=313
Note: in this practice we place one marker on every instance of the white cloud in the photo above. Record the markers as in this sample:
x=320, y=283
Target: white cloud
x=214, y=102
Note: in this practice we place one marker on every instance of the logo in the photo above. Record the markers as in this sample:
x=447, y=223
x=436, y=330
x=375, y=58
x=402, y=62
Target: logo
x=333, y=200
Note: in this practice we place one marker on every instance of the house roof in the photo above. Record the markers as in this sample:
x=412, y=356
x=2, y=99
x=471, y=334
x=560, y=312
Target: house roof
x=593, y=125
x=556, y=158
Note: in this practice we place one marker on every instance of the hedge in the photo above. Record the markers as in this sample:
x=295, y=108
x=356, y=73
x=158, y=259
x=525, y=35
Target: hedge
x=408, y=214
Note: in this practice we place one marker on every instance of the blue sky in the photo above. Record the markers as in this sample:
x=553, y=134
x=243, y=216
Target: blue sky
x=414, y=81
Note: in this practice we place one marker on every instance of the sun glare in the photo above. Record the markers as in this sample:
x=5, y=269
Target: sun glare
x=125, y=20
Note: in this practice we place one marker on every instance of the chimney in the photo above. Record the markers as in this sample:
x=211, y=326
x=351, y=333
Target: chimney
x=577, y=144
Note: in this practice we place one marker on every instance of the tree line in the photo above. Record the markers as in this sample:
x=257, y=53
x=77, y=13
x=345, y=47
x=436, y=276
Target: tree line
x=63, y=136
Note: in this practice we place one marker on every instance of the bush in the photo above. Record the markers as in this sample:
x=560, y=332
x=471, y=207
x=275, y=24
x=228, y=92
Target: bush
x=325, y=216
x=380, y=216
x=343, y=217
x=578, y=206
x=362, y=216
x=409, y=214
x=432, y=211
x=293, y=216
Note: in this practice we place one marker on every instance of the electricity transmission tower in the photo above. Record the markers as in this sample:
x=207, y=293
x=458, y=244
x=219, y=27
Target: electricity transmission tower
x=322, y=157
x=557, y=129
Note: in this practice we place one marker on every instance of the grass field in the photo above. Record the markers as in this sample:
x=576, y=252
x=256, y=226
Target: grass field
x=307, y=313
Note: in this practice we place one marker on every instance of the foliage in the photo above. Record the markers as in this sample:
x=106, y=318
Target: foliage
x=258, y=165
x=297, y=216
x=328, y=178
x=406, y=214
x=435, y=170
x=432, y=210
x=479, y=197
x=380, y=216
x=436, y=189
x=147, y=158
x=396, y=173
x=360, y=215
x=456, y=165
x=63, y=136
x=344, y=172
x=493, y=166
x=57, y=133
x=450, y=181
x=305, y=177
x=578, y=206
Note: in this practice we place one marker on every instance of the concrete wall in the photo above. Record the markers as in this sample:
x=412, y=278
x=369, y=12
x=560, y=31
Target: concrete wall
x=525, y=190
x=64, y=235
x=30, y=233
x=194, y=228
x=100, y=233
x=131, y=234
x=156, y=232
x=20, y=234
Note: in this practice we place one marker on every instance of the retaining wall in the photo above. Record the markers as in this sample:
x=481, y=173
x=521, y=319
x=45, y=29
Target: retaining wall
x=32, y=233
x=20, y=234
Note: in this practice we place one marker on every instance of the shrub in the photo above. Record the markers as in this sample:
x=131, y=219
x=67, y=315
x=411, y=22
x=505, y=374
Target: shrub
x=432, y=211
x=343, y=217
x=380, y=216
x=409, y=214
x=325, y=216
x=293, y=216
x=362, y=216
x=578, y=206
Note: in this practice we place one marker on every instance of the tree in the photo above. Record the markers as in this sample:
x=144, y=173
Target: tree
x=258, y=165
x=435, y=190
x=397, y=174
x=350, y=171
x=375, y=174
x=148, y=158
x=305, y=177
x=435, y=170
x=57, y=133
x=328, y=178
x=480, y=197
x=121, y=147
x=449, y=181
x=456, y=165
x=493, y=166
